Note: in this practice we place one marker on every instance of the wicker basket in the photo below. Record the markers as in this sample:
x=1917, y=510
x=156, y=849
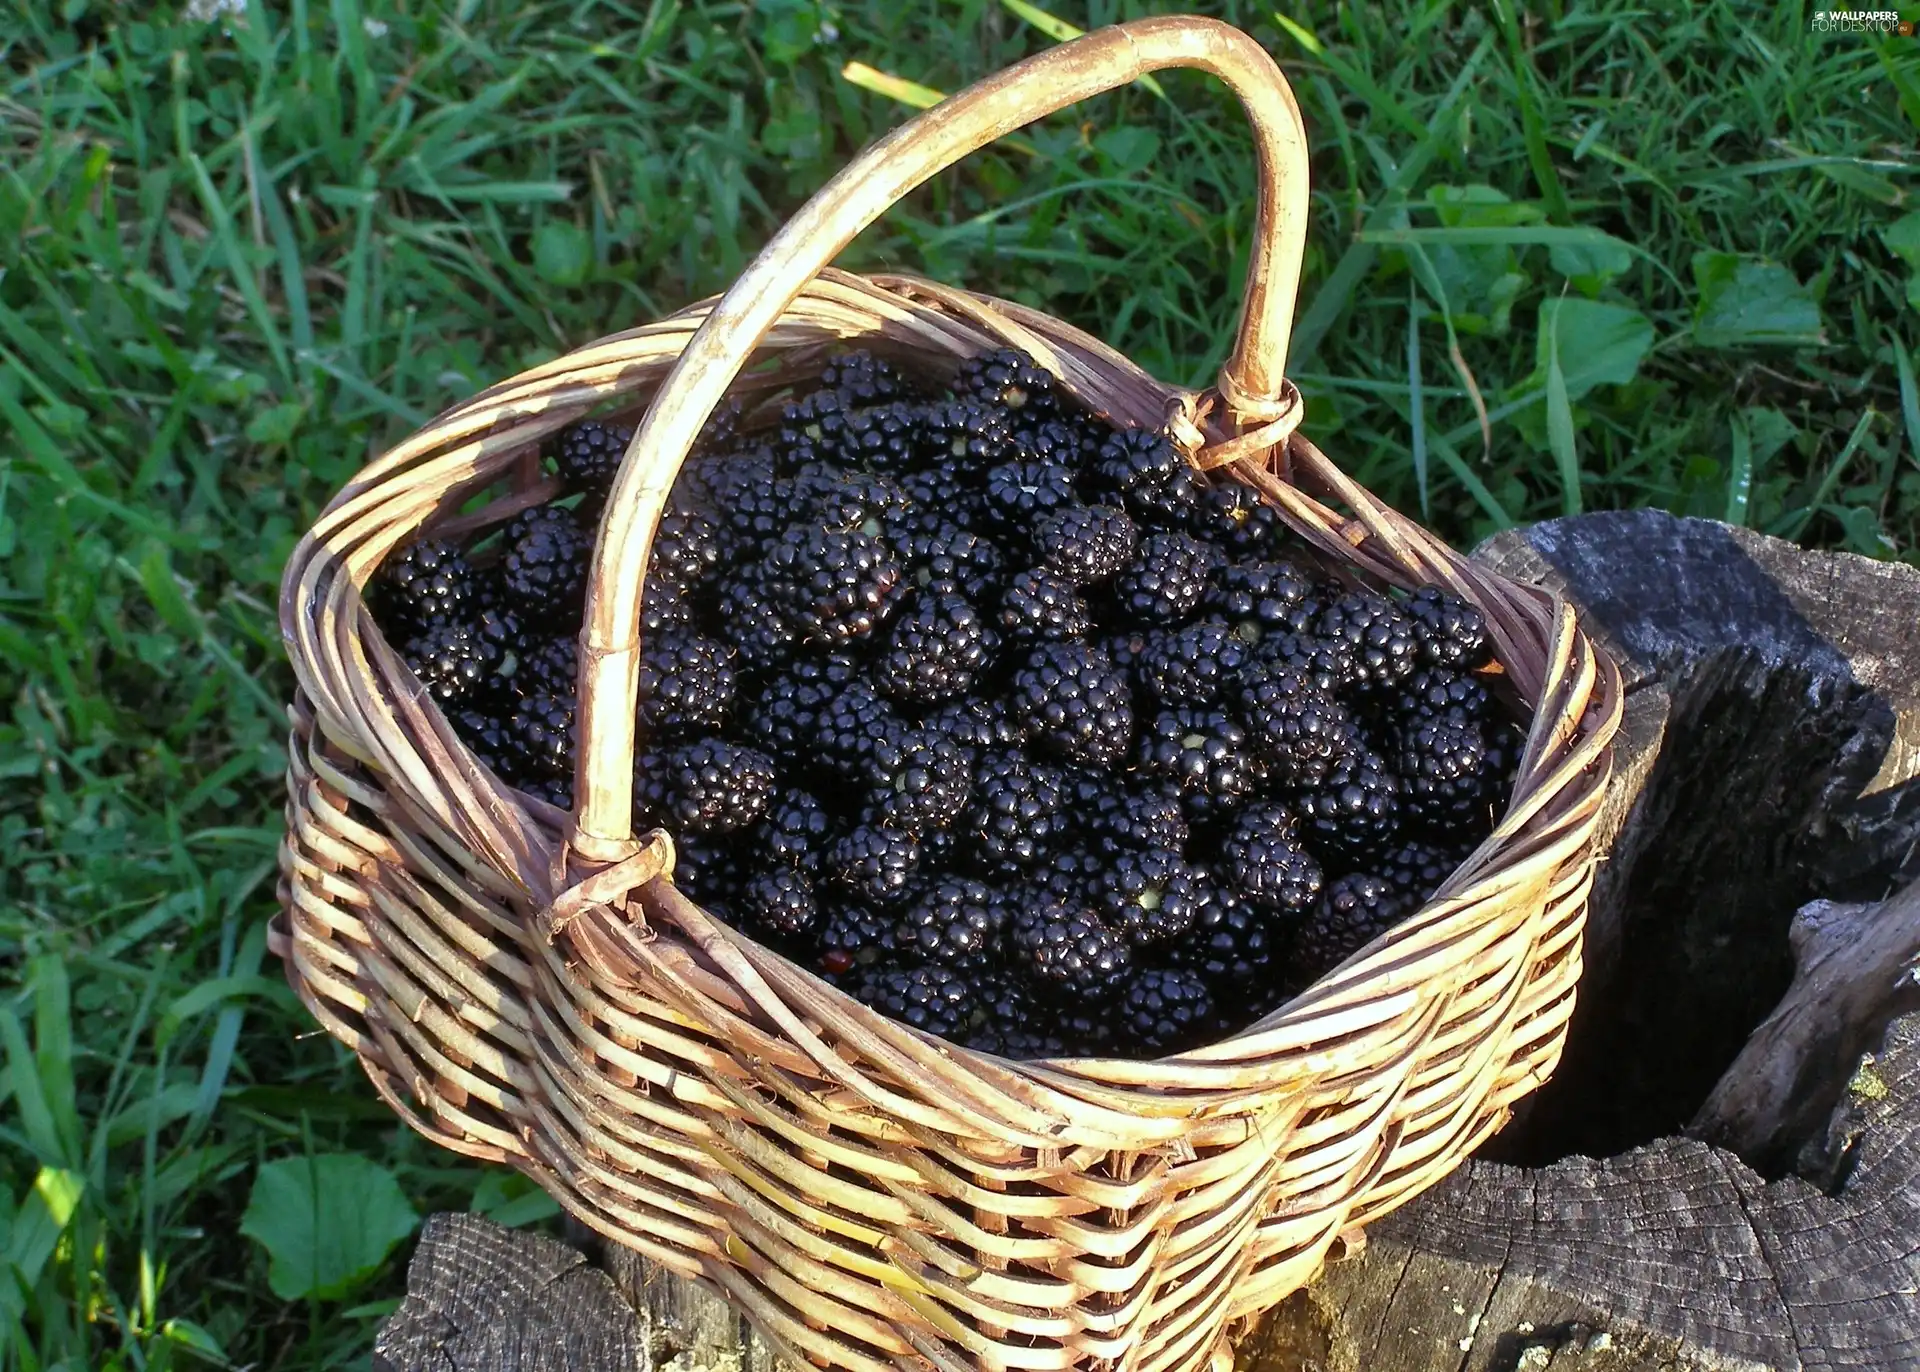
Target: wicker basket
x=527, y=986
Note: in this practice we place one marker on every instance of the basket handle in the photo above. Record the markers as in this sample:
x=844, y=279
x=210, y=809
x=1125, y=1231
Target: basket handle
x=1252, y=384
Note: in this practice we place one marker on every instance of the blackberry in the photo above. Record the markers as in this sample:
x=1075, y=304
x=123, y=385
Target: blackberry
x=1132, y=460
x=756, y=624
x=965, y=435
x=1300, y=730
x=860, y=378
x=686, y=684
x=779, y=899
x=1378, y=635
x=1194, y=666
x=1078, y=1031
x=1077, y=701
x=540, y=736
x=1070, y=875
x=547, y=666
x=978, y=724
x=753, y=493
x=1264, y=862
x=1351, y=913
x=955, y=922
x=875, y=863
x=1258, y=598
x=1166, y=579
x=1236, y=520
x=925, y=781
x=950, y=559
x=783, y=716
x=1065, y=947
x=487, y=738
x=688, y=548
x=794, y=832
x=837, y=498
x=588, y=455
x=1231, y=945
x=1137, y=819
x=1451, y=632
x=664, y=606
x=1039, y=606
x=1009, y=1025
x=1069, y=443
x=931, y=998
x=1355, y=812
x=882, y=438
x=854, y=936
x=831, y=585
x=1126, y=647
x=935, y=651
x=939, y=499
x=1086, y=544
x=719, y=428
x=848, y=726
x=1152, y=896
x=425, y=584
x=716, y=787
x=1008, y=379
x=1430, y=692
x=1164, y=1010
x=1204, y=753
x=556, y=791
x=1417, y=869
x=1016, y=816
x=544, y=568
x=710, y=870
x=1442, y=763
x=454, y=662
x=1019, y=495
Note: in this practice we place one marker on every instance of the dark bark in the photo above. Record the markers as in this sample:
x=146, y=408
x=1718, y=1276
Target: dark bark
x=1768, y=757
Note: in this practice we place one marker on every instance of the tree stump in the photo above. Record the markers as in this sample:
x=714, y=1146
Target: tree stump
x=1750, y=986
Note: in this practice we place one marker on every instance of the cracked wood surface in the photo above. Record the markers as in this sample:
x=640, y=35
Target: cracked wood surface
x=1768, y=757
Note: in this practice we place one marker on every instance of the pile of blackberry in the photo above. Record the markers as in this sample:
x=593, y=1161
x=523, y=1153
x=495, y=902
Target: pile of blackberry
x=1001, y=718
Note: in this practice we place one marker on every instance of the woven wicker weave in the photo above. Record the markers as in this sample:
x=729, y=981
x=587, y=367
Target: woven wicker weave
x=527, y=986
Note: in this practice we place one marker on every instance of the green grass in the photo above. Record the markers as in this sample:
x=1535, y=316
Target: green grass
x=237, y=261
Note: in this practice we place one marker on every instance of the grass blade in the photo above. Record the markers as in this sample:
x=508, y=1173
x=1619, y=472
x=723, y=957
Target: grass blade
x=910, y=93
x=1740, y=474
x=1560, y=429
x=1416, y=403
x=1909, y=400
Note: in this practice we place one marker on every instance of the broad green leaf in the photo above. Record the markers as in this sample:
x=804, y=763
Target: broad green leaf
x=1560, y=430
x=1593, y=263
x=1746, y=301
x=327, y=1222
x=276, y=424
x=562, y=252
x=1596, y=343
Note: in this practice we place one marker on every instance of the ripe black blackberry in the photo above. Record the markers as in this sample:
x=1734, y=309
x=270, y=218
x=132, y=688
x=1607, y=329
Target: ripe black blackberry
x=1165, y=1010
x=1132, y=462
x=1010, y=380
x=1166, y=579
x=1126, y=646
x=956, y=922
x=710, y=870
x=485, y=734
x=686, y=684
x=1196, y=665
x=1355, y=812
x=794, y=832
x=937, y=647
x=556, y=791
x=455, y=662
x=979, y=724
x=831, y=585
x=1008, y=1024
x=783, y=715
x=1016, y=816
x=544, y=567
x=1205, y=754
x=778, y=899
x=547, y=666
x=950, y=559
x=1380, y=637
x=849, y=725
x=1039, y=606
x=426, y=583
x=860, y=378
x=876, y=864
x=1351, y=913
x=1258, y=598
x=928, y=997
x=1235, y=520
x=924, y=780
x=1086, y=544
x=1077, y=701
x=1430, y=692
x=1451, y=632
x=1019, y=495
x=965, y=436
x=688, y=548
x=753, y=495
x=712, y=786
x=1134, y=819
x=1066, y=947
x=665, y=606
x=1070, y=875
x=1301, y=730
x=588, y=456
x=853, y=935
x=756, y=623
x=540, y=736
x=1264, y=861
x=1151, y=897
x=1231, y=945
x=1416, y=869
x=1442, y=765
x=835, y=497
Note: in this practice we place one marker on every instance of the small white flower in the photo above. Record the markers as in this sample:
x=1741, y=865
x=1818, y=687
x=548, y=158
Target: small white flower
x=206, y=11
x=374, y=27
